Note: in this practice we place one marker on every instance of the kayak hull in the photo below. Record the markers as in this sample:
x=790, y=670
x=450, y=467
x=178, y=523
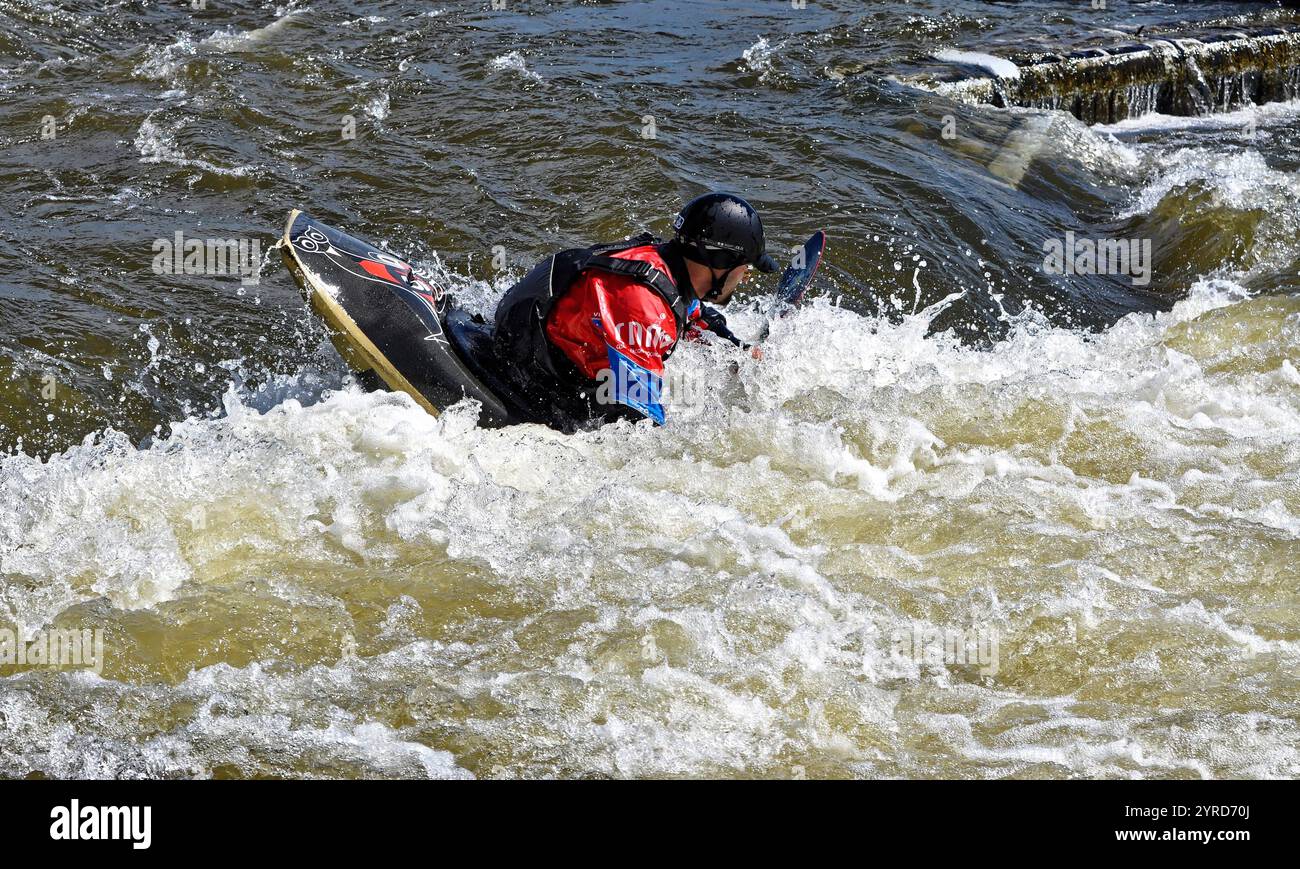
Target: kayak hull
x=387, y=320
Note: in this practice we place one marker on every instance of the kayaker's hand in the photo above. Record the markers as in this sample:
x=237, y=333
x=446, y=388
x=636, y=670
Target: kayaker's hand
x=756, y=352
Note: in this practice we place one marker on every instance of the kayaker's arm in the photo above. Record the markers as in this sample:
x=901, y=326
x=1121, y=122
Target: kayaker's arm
x=712, y=320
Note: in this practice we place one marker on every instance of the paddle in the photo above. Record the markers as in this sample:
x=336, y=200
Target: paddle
x=796, y=279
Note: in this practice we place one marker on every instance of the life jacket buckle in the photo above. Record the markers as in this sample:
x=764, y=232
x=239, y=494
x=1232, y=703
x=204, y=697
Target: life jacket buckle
x=640, y=268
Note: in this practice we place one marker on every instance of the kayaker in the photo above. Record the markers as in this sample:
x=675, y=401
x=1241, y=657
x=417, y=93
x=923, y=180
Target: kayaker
x=586, y=333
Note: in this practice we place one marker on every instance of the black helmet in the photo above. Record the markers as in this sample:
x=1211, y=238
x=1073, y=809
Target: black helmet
x=722, y=231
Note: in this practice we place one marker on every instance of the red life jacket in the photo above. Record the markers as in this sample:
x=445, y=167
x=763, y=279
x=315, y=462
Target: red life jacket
x=521, y=317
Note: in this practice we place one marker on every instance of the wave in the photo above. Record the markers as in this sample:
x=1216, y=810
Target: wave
x=514, y=62
x=157, y=144
x=765, y=544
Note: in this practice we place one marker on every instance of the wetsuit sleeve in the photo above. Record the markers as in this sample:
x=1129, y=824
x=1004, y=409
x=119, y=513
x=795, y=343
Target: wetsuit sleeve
x=711, y=319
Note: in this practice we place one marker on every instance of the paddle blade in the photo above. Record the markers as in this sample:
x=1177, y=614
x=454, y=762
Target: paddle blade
x=803, y=267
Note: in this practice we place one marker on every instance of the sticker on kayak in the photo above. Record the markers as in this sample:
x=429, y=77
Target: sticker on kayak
x=371, y=264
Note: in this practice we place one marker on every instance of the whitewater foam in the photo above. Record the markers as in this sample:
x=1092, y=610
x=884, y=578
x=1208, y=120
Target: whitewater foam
x=514, y=62
x=693, y=599
x=1000, y=67
x=157, y=144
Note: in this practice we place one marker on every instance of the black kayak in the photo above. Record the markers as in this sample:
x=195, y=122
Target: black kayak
x=393, y=325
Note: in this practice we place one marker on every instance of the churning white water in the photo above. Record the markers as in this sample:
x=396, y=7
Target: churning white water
x=352, y=587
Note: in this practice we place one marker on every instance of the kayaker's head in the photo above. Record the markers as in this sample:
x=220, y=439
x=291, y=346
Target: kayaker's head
x=720, y=236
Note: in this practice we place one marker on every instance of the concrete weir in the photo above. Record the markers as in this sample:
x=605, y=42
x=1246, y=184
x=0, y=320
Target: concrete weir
x=1193, y=74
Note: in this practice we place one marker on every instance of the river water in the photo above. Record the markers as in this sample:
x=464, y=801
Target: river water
x=1097, y=480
